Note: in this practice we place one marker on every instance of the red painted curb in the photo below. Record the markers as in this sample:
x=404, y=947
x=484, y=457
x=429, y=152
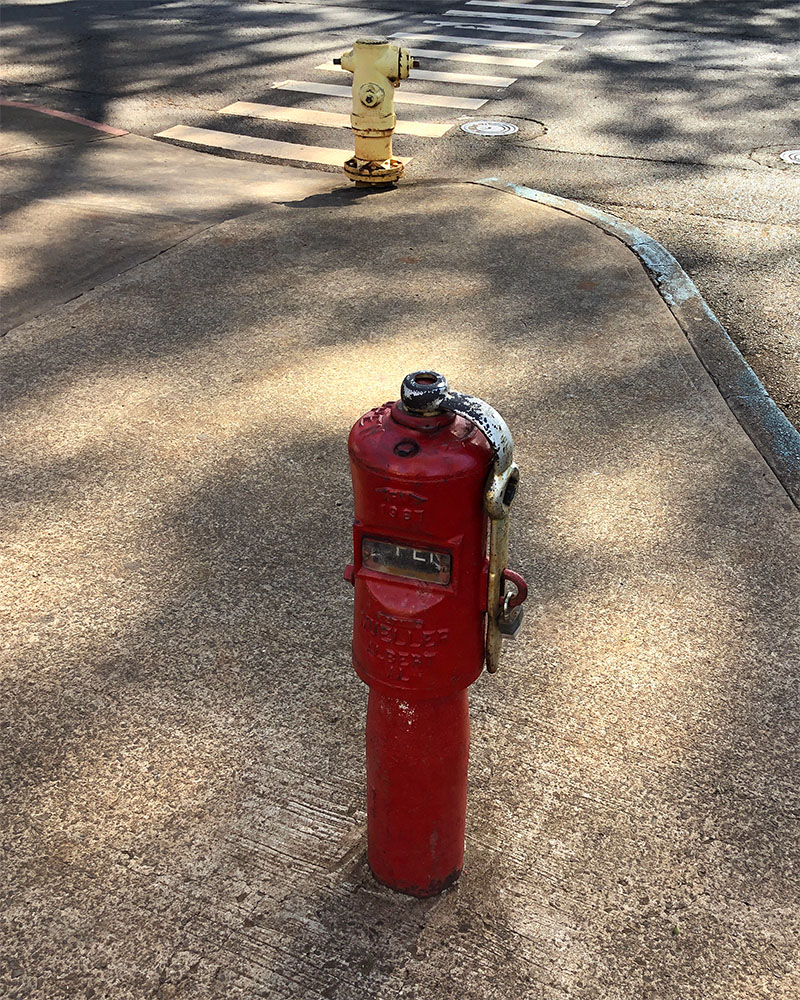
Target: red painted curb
x=108, y=129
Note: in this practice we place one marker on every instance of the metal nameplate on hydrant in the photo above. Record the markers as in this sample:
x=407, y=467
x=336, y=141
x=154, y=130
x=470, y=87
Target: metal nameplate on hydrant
x=377, y=67
x=433, y=483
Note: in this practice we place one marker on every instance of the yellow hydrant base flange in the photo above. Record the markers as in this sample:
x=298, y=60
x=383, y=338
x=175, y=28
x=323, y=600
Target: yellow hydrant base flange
x=374, y=171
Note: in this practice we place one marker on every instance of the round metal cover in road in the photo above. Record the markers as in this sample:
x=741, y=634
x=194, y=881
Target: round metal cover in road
x=492, y=129
x=791, y=156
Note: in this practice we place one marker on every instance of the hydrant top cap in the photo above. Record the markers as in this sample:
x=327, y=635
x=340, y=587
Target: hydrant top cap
x=372, y=40
x=423, y=392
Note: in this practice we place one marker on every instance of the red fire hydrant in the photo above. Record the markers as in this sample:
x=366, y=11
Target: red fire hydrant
x=433, y=479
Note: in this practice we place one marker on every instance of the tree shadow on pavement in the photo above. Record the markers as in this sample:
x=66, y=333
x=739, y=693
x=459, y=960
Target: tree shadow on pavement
x=185, y=733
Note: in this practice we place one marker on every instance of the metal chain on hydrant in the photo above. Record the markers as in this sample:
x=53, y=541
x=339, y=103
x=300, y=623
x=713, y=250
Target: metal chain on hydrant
x=429, y=392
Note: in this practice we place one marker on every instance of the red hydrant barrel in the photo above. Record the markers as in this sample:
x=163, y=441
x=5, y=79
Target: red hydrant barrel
x=420, y=577
x=417, y=755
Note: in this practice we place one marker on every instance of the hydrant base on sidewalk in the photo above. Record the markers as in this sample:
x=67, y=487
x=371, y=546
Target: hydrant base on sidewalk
x=182, y=754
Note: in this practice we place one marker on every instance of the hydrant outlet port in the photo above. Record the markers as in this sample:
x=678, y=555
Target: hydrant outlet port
x=371, y=95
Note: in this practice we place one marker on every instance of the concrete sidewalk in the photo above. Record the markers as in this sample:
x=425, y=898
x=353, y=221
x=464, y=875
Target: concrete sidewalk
x=183, y=764
x=81, y=206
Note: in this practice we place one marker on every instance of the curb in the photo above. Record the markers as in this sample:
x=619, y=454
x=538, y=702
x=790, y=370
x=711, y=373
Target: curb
x=763, y=421
x=98, y=126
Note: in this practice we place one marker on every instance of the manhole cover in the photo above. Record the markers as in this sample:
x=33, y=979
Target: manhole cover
x=776, y=158
x=489, y=128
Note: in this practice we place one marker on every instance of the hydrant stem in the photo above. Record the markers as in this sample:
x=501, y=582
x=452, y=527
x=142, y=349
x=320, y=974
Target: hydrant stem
x=417, y=757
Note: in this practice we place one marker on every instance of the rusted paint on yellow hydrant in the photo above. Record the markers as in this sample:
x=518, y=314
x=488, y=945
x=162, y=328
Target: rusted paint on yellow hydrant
x=377, y=67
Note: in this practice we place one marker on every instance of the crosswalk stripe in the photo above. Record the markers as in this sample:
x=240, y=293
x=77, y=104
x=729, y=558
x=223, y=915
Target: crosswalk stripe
x=263, y=147
x=331, y=119
x=476, y=57
x=504, y=29
x=473, y=79
x=497, y=15
x=541, y=6
x=429, y=100
x=547, y=48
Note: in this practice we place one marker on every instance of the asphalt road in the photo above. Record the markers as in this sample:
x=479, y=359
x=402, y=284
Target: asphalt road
x=668, y=114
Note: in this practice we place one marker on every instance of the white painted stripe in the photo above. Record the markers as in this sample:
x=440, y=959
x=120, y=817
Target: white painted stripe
x=330, y=119
x=541, y=6
x=212, y=139
x=477, y=57
x=497, y=15
x=504, y=29
x=474, y=79
x=429, y=100
x=547, y=48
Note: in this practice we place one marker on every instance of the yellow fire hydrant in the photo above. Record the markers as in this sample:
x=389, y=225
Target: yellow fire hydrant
x=377, y=67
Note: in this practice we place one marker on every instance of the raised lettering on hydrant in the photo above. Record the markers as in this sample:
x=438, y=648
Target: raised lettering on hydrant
x=433, y=479
x=377, y=67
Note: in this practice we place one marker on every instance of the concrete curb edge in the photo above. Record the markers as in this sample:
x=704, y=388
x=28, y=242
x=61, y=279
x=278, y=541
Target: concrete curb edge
x=53, y=113
x=764, y=422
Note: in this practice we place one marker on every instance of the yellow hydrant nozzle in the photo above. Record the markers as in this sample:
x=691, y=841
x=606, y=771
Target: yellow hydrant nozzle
x=377, y=67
